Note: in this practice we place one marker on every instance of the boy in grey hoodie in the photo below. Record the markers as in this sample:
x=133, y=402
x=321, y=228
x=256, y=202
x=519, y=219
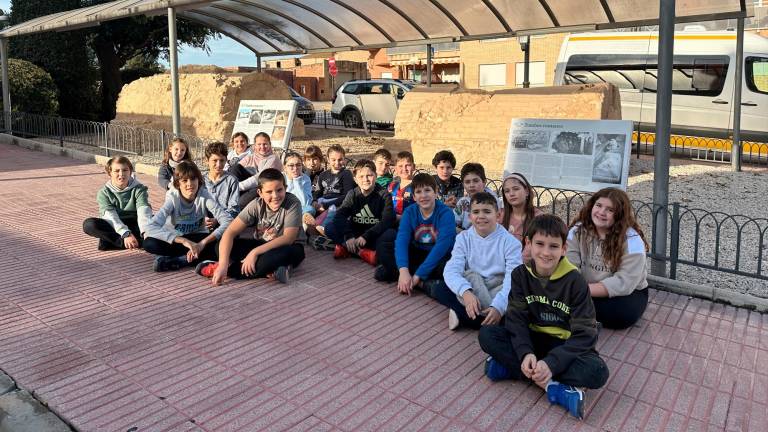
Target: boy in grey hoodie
x=177, y=233
x=477, y=277
x=124, y=209
x=221, y=185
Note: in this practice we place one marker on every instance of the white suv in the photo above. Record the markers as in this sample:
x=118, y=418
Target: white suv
x=377, y=99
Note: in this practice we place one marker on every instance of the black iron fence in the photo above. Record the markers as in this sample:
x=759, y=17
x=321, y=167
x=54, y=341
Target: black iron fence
x=702, y=148
x=325, y=119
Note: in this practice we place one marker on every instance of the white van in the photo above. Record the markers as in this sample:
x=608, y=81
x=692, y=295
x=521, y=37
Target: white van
x=702, y=82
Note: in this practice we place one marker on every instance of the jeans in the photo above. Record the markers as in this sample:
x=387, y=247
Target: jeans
x=485, y=289
x=267, y=262
x=587, y=370
x=102, y=230
x=621, y=312
x=385, y=252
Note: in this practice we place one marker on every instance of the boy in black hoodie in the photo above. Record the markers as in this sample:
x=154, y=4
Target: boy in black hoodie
x=549, y=333
x=364, y=215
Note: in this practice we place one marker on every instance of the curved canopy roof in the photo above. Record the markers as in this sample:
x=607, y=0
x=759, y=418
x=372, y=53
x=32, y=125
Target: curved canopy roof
x=277, y=27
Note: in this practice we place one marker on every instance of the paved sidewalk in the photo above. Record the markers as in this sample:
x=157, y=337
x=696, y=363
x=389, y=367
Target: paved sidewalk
x=110, y=345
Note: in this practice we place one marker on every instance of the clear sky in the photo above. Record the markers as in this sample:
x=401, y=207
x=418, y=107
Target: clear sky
x=224, y=51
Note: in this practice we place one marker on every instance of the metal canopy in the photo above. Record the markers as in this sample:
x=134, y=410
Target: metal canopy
x=278, y=27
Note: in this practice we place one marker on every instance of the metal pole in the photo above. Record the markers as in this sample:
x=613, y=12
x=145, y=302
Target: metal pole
x=527, y=64
x=6, y=85
x=739, y=73
x=174, y=64
x=663, y=129
x=429, y=65
x=258, y=62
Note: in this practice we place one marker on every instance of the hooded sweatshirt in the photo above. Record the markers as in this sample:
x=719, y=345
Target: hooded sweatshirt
x=225, y=191
x=256, y=163
x=330, y=188
x=233, y=157
x=177, y=217
x=452, y=187
x=559, y=306
x=461, y=211
x=498, y=253
x=117, y=204
x=301, y=188
x=435, y=234
x=367, y=216
x=586, y=253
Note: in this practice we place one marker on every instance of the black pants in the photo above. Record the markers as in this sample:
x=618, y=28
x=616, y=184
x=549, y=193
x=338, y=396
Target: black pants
x=587, y=370
x=102, y=230
x=447, y=298
x=621, y=312
x=338, y=233
x=161, y=247
x=267, y=262
x=239, y=171
x=386, y=256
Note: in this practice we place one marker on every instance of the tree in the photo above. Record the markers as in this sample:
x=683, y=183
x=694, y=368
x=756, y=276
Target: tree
x=32, y=88
x=63, y=55
x=117, y=42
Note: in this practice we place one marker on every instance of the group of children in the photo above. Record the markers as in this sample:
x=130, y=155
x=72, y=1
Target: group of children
x=537, y=290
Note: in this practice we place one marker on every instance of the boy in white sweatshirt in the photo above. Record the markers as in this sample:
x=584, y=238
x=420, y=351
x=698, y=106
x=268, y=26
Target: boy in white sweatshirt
x=477, y=277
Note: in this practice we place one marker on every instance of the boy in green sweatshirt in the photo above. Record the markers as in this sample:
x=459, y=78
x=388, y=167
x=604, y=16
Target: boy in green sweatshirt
x=124, y=209
x=550, y=332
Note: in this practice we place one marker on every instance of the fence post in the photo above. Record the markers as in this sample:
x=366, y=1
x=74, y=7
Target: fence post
x=106, y=138
x=325, y=120
x=638, y=140
x=674, y=241
x=61, y=132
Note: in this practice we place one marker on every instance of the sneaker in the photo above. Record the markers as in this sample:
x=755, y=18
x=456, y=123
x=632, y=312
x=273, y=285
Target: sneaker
x=496, y=371
x=429, y=285
x=368, y=255
x=166, y=263
x=340, y=252
x=283, y=274
x=381, y=274
x=453, y=320
x=322, y=243
x=206, y=268
x=568, y=397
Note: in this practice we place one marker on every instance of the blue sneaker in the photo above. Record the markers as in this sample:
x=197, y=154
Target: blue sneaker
x=496, y=371
x=166, y=263
x=568, y=397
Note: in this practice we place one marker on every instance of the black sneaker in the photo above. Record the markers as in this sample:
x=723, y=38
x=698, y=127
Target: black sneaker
x=381, y=274
x=283, y=274
x=322, y=243
x=166, y=263
x=107, y=246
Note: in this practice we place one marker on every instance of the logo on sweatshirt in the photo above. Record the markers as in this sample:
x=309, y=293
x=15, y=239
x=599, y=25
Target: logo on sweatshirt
x=365, y=216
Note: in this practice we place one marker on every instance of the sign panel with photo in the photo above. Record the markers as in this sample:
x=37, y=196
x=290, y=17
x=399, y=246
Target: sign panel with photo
x=275, y=117
x=583, y=155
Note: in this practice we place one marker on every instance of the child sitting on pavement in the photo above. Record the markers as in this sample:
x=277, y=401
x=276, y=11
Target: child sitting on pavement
x=423, y=243
x=329, y=189
x=400, y=188
x=176, y=152
x=383, y=160
x=177, y=233
x=222, y=186
x=449, y=188
x=473, y=179
x=276, y=248
x=363, y=217
x=299, y=185
x=549, y=334
x=477, y=277
x=124, y=209
x=314, y=162
x=248, y=168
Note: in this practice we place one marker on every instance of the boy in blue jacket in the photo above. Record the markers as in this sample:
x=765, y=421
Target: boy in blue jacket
x=549, y=333
x=423, y=243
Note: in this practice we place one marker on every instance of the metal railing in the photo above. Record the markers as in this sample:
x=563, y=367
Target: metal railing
x=324, y=119
x=702, y=148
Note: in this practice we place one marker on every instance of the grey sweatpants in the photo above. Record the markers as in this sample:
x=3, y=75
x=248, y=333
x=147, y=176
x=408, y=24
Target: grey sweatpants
x=485, y=289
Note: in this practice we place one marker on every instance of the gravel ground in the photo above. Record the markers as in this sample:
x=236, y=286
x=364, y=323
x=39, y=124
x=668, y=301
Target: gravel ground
x=710, y=188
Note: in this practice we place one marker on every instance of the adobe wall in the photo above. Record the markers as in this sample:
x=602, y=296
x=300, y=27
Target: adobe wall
x=209, y=101
x=475, y=124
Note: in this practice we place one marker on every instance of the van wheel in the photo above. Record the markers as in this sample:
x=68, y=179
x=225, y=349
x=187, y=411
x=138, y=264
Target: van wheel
x=352, y=119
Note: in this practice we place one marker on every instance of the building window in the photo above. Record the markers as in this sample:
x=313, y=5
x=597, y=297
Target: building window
x=493, y=75
x=386, y=74
x=536, y=74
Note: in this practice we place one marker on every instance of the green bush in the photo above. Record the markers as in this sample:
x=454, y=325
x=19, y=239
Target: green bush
x=32, y=89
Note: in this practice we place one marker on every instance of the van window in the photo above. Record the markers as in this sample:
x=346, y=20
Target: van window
x=350, y=88
x=757, y=74
x=691, y=75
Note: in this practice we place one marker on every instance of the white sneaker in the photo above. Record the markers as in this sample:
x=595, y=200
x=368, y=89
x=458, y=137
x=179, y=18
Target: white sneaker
x=453, y=320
